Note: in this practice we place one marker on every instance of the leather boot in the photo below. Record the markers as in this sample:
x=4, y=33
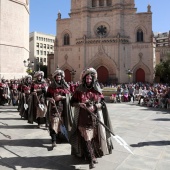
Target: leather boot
x=91, y=155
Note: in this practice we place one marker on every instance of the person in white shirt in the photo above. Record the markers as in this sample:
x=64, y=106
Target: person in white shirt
x=143, y=93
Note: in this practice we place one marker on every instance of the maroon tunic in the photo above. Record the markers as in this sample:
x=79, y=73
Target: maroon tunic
x=90, y=98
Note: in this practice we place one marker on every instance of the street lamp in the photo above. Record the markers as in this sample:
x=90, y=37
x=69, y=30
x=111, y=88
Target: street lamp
x=29, y=64
x=73, y=72
x=129, y=73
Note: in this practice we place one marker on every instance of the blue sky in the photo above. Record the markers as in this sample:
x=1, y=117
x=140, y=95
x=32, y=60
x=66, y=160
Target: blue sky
x=43, y=14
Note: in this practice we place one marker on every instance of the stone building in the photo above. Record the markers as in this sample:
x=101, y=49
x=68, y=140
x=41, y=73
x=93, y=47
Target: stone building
x=40, y=45
x=14, y=37
x=108, y=35
x=162, y=41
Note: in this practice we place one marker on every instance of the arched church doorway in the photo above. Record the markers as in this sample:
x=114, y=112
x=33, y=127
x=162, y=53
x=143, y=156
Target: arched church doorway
x=140, y=75
x=67, y=75
x=103, y=74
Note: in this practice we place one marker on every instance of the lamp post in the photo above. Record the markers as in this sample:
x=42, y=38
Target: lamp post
x=29, y=64
x=129, y=73
x=73, y=72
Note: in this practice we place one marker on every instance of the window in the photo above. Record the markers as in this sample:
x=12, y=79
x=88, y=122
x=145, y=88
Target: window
x=37, y=37
x=47, y=46
x=45, y=60
x=109, y=2
x=44, y=45
x=41, y=60
x=37, y=44
x=41, y=45
x=44, y=52
x=41, y=52
x=139, y=35
x=51, y=47
x=37, y=59
x=66, y=39
x=101, y=2
x=94, y=3
x=37, y=52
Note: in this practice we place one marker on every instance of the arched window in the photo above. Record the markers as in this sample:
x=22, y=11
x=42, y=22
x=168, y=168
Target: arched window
x=94, y=3
x=101, y=2
x=66, y=39
x=139, y=35
x=109, y=2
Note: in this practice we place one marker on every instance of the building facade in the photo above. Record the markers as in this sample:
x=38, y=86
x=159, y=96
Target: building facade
x=40, y=46
x=14, y=36
x=162, y=41
x=108, y=35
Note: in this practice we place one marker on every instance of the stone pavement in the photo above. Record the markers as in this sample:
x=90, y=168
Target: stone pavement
x=146, y=130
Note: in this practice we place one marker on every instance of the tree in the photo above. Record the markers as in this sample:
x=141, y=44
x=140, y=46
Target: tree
x=162, y=70
x=30, y=71
x=44, y=69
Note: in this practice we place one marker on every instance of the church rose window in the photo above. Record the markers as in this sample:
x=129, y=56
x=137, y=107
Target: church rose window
x=101, y=30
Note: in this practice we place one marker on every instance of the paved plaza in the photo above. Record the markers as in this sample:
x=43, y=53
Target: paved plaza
x=146, y=130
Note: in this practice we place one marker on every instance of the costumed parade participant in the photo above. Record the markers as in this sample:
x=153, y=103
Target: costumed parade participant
x=59, y=111
x=14, y=92
x=21, y=82
x=88, y=138
x=37, y=106
x=4, y=92
x=24, y=96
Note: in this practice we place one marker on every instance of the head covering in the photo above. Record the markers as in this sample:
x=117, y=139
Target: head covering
x=28, y=76
x=58, y=71
x=89, y=71
x=93, y=72
x=37, y=73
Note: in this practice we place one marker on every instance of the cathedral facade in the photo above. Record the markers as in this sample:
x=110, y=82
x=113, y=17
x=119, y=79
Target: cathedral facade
x=108, y=35
x=14, y=38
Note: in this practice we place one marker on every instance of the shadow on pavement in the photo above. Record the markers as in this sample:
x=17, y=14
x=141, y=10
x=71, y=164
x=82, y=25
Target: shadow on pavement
x=62, y=162
x=149, y=143
x=161, y=119
x=18, y=127
x=25, y=142
x=31, y=142
x=12, y=118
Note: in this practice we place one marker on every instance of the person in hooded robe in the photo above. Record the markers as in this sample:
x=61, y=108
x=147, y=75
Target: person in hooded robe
x=4, y=92
x=88, y=137
x=14, y=92
x=25, y=91
x=59, y=110
x=37, y=105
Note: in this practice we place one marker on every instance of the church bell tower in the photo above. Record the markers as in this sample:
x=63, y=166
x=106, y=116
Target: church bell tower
x=85, y=4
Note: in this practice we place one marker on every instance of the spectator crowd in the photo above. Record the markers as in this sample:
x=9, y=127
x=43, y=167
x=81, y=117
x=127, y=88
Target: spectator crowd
x=151, y=95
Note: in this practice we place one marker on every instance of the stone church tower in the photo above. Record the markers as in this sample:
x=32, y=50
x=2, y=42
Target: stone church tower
x=108, y=35
x=14, y=37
